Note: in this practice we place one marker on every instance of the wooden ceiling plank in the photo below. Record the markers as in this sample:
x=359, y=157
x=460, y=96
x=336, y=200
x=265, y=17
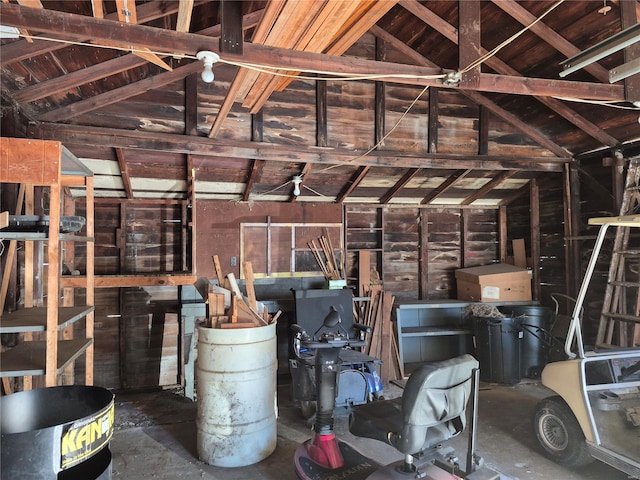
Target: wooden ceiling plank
x=77, y=78
x=362, y=24
x=444, y=186
x=347, y=38
x=78, y=26
x=227, y=148
x=315, y=37
x=487, y=187
x=185, y=10
x=289, y=27
x=97, y=7
x=263, y=27
x=355, y=180
x=400, y=184
x=119, y=94
x=275, y=35
x=550, y=36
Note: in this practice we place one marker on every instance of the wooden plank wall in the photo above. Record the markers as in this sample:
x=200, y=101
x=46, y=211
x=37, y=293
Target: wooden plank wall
x=421, y=247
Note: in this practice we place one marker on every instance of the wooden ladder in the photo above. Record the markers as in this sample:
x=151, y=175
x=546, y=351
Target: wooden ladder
x=620, y=317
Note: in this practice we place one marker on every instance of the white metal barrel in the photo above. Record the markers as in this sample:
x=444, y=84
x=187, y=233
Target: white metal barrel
x=236, y=373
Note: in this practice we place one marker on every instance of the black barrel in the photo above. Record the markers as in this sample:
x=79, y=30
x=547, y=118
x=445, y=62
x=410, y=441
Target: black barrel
x=57, y=433
x=498, y=349
x=534, y=322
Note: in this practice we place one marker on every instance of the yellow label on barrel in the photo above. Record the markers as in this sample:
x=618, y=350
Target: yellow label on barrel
x=87, y=437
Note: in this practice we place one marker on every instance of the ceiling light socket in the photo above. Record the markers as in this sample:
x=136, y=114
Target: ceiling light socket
x=297, y=180
x=208, y=59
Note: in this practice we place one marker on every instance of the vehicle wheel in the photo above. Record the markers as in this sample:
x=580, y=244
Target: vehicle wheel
x=308, y=408
x=559, y=433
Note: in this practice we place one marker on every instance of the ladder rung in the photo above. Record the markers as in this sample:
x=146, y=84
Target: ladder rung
x=621, y=316
x=625, y=284
x=627, y=253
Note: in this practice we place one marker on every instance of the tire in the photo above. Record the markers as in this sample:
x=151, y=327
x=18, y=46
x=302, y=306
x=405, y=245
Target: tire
x=559, y=433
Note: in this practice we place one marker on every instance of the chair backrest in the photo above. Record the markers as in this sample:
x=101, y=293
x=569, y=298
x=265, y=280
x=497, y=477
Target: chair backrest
x=434, y=403
x=312, y=306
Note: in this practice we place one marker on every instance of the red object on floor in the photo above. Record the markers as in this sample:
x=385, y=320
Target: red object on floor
x=324, y=450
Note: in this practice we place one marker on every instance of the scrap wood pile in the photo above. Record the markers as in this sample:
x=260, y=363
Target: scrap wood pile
x=230, y=308
x=330, y=266
x=375, y=312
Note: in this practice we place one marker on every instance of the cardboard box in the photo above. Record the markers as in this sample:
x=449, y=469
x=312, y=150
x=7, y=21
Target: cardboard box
x=494, y=283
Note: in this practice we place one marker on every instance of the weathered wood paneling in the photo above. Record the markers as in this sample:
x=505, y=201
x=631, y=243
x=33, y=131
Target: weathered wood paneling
x=149, y=338
x=401, y=254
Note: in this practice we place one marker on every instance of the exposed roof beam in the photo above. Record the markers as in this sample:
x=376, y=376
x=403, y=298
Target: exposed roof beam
x=78, y=26
x=353, y=183
x=19, y=50
x=444, y=186
x=450, y=32
x=400, y=184
x=100, y=70
x=487, y=187
x=119, y=94
x=547, y=34
x=185, y=9
x=477, y=97
x=124, y=173
x=83, y=135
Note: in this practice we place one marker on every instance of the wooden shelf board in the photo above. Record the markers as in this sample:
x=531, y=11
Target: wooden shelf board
x=433, y=331
x=40, y=236
x=34, y=236
x=28, y=358
x=35, y=319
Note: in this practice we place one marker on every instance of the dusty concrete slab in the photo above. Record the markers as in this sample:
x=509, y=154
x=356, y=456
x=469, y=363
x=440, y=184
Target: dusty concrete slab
x=155, y=438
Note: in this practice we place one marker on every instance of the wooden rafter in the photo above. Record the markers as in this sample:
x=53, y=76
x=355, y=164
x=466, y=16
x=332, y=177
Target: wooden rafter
x=185, y=10
x=127, y=13
x=400, y=184
x=78, y=26
x=547, y=34
x=99, y=136
x=444, y=186
x=355, y=180
x=124, y=173
x=487, y=187
x=450, y=32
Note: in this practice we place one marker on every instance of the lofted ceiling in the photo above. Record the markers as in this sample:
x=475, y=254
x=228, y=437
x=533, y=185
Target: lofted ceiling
x=379, y=101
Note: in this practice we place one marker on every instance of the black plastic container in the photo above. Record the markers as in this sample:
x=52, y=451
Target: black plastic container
x=498, y=349
x=534, y=321
x=56, y=433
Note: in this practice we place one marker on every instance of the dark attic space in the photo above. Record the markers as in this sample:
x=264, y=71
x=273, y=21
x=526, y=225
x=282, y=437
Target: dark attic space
x=320, y=239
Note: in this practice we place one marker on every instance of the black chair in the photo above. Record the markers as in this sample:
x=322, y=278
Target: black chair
x=430, y=411
x=322, y=312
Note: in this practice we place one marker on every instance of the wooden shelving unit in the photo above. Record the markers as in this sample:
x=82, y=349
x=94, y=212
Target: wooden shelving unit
x=48, y=164
x=363, y=231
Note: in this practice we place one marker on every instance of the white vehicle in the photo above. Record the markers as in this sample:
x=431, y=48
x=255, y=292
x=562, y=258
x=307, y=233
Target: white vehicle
x=595, y=413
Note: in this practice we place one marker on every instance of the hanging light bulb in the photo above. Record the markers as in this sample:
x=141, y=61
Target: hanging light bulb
x=208, y=59
x=297, y=180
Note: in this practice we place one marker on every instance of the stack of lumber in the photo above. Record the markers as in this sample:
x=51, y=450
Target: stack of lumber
x=375, y=312
x=230, y=308
x=322, y=249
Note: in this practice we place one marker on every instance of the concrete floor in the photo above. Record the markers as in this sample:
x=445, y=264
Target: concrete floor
x=155, y=438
